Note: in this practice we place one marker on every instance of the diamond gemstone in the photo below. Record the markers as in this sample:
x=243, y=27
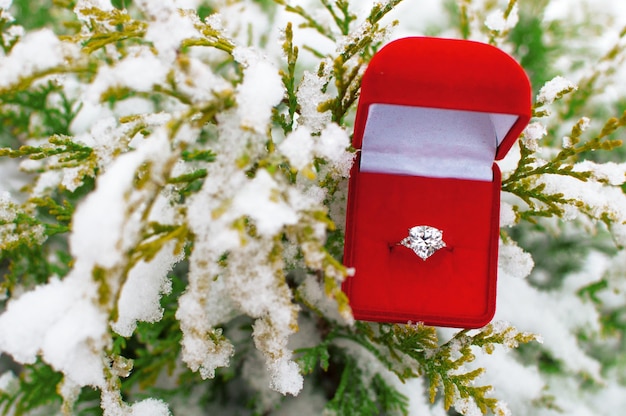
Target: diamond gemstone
x=424, y=240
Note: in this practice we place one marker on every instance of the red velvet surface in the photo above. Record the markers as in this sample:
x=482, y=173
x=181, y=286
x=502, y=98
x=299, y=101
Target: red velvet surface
x=392, y=284
x=456, y=286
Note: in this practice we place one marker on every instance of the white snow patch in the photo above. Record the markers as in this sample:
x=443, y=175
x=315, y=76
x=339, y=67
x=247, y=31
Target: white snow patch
x=550, y=315
x=553, y=88
x=149, y=407
x=169, y=29
x=298, y=148
x=532, y=134
x=259, y=199
x=514, y=261
x=141, y=294
x=285, y=377
x=497, y=22
x=101, y=231
x=9, y=382
x=310, y=96
x=332, y=146
x=262, y=88
x=611, y=172
x=139, y=71
x=508, y=218
x=513, y=382
x=61, y=322
x=36, y=52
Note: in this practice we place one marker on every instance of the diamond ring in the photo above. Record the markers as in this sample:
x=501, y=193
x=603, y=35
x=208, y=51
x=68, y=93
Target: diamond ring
x=424, y=240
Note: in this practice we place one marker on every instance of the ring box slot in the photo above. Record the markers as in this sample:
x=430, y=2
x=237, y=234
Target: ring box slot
x=432, y=142
x=433, y=116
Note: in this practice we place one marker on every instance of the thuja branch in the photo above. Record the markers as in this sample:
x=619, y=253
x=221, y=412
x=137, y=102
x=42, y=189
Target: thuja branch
x=343, y=21
x=310, y=21
x=346, y=71
x=522, y=181
x=413, y=351
x=70, y=153
x=289, y=80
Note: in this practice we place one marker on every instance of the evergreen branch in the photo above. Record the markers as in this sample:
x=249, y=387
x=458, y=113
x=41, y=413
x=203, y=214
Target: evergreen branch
x=380, y=10
x=25, y=82
x=587, y=85
x=5, y=24
x=413, y=351
x=310, y=21
x=66, y=152
x=189, y=177
x=348, y=80
x=158, y=354
x=373, y=398
x=37, y=387
x=99, y=41
x=19, y=106
x=218, y=43
x=523, y=181
x=309, y=357
x=213, y=37
x=464, y=19
x=289, y=79
x=342, y=22
x=62, y=213
x=314, y=51
x=198, y=156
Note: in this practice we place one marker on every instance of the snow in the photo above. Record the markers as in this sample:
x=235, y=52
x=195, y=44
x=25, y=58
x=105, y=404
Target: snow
x=298, y=148
x=610, y=172
x=332, y=146
x=140, y=71
x=497, y=22
x=199, y=81
x=532, y=134
x=520, y=384
x=261, y=89
x=508, y=218
x=517, y=302
x=7, y=207
x=310, y=96
x=61, y=321
x=514, y=261
x=89, y=4
x=600, y=200
x=285, y=376
x=260, y=200
x=141, y=294
x=8, y=382
x=169, y=27
x=553, y=88
x=36, y=52
x=102, y=233
x=150, y=407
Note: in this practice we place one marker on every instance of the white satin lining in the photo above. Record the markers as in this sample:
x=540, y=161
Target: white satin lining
x=432, y=142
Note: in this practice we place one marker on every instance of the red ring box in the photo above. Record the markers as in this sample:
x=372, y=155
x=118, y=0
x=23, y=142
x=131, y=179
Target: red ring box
x=433, y=116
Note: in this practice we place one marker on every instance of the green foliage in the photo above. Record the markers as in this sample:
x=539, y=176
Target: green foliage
x=35, y=388
x=522, y=182
x=47, y=103
x=358, y=394
x=408, y=351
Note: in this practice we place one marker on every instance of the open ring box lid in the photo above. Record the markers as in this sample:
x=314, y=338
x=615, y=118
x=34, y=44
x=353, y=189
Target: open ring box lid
x=433, y=116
